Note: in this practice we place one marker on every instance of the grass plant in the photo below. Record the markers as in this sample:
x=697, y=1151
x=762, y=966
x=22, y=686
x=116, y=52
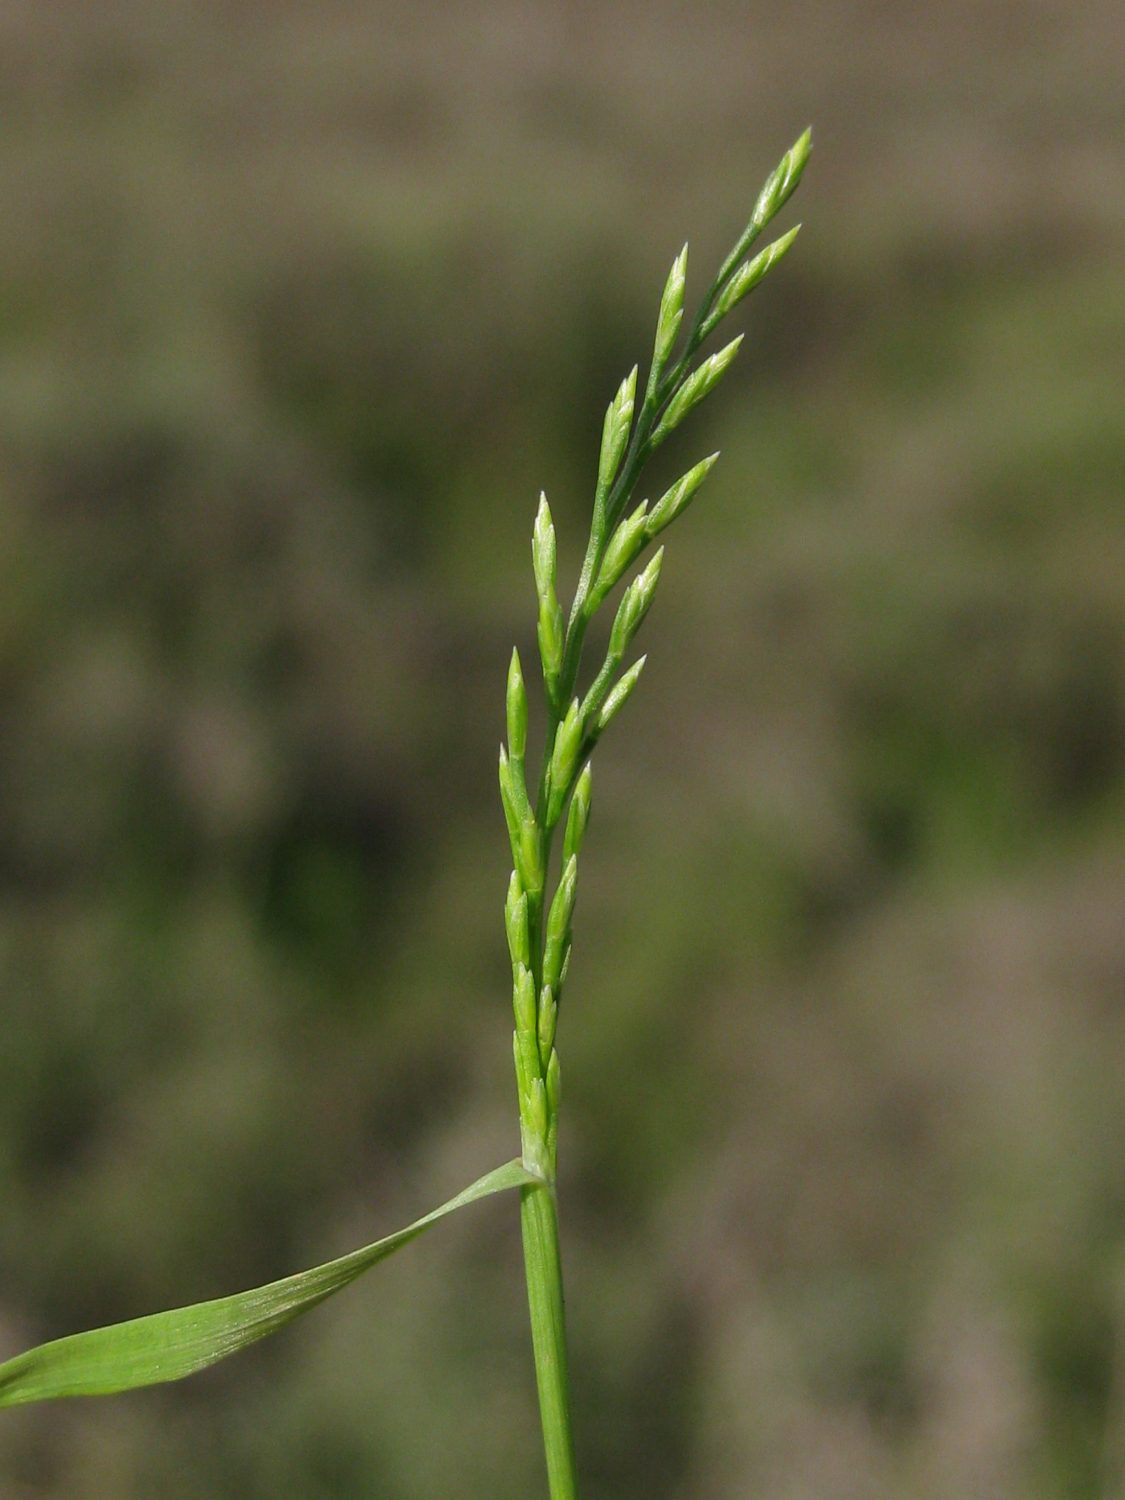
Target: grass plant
x=539, y=909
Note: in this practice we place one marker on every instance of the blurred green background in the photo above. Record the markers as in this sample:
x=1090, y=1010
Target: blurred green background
x=300, y=305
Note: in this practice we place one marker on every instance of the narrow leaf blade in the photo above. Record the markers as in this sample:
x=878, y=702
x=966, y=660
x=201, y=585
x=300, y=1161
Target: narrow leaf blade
x=169, y=1345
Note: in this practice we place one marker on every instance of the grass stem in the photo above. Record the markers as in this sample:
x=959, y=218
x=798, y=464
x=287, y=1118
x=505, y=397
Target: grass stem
x=539, y=927
x=543, y=1268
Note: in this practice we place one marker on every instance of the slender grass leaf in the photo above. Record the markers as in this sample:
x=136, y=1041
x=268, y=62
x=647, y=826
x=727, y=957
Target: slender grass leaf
x=169, y=1345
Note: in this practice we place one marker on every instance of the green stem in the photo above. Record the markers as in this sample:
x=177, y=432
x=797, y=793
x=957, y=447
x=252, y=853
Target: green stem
x=543, y=1268
x=537, y=1065
x=538, y=1212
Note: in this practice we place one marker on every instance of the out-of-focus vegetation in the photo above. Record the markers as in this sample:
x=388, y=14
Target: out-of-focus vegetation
x=299, y=307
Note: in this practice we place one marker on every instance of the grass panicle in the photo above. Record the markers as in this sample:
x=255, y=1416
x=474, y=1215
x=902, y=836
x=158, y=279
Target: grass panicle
x=576, y=721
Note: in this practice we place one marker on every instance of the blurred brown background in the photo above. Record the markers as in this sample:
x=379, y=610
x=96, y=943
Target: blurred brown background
x=300, y=305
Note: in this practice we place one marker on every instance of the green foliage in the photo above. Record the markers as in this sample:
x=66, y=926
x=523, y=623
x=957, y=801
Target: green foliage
x=169, y=1345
